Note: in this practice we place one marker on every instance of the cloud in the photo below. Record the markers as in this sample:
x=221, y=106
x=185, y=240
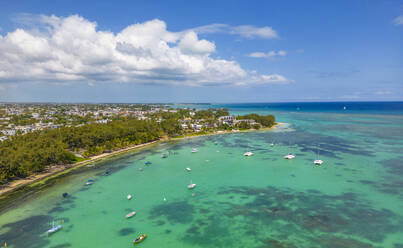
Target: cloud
x=269, y=55
x=72, y=49
x=246, y=31
x=398, y=20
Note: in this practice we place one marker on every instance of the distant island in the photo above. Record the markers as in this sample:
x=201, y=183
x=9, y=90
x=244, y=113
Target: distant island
x=78, y=132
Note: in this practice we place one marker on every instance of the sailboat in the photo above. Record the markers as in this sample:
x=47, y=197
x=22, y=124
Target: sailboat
x=248, y=153
x=53, y=229
x=289, y=156
x=191, y=185
x=318, y=161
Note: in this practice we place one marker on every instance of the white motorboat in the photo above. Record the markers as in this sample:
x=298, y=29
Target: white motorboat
x=129, y=197
x=289, y=156
x=188, y=169
x=194, y=150
x=131, y=214
x=248, y=154
x=191, y=185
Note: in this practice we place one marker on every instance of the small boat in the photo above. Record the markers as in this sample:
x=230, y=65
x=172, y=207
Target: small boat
x=344, y=108
x=65, y=195
x=289, y=156
x=272, y=144
x=54, y=229
x=188, y=169
x=191, y=185
x=107, y=173
x=165, y=199
x=140, y=169
x=318, y=162
x=131, y=214
x=89, y=182
x=194, y=150
x=148, y=163
x=248, y=154
x=164, y=155
x=139, y=239
x=129, y=197
x=215, y=142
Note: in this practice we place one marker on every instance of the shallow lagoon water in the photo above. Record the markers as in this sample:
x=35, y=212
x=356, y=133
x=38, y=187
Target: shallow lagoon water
x=355, y=199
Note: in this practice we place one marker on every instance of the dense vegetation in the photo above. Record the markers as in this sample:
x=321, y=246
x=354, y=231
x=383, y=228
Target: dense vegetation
x=22, y=155
x=264, y=120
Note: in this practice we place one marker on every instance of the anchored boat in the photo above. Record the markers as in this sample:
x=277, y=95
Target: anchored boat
x=139, y=239
x=131, y=214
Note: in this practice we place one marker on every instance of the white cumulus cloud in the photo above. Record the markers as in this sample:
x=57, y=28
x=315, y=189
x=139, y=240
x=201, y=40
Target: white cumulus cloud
x=73, y=49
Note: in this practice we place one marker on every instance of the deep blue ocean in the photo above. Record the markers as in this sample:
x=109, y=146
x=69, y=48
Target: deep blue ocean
x=331, y=107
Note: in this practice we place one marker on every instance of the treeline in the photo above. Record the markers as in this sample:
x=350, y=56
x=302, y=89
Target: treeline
x=264, y=120
x=22, y=155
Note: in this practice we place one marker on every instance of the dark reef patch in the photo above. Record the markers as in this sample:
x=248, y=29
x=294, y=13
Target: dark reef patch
x=312, y=211
x=64, y=245
x=175, y=212
x=126, y=231
x=27, y=232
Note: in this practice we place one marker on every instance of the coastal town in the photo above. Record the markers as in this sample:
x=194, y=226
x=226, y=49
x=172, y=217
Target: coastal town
x=26, y=118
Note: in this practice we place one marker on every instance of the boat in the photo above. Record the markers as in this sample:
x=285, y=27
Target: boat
x=318, y=161
x=165, y=199
x=191, y=185
x=89, y=182
x=164, y=155
x=194, y=150
x=131, y=214
x=129, y=197
x=139, y=239
x=54, y=229
x=215, y=142
x=148, y=163
x=65, y=194
x=289, y=156
x=188, y=169
x=248, y=154
x=344, y=108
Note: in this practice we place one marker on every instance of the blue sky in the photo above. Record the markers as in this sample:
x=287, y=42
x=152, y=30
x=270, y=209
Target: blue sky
x=201, y=51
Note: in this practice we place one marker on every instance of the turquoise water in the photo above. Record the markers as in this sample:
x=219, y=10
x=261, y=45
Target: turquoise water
x=355, y=199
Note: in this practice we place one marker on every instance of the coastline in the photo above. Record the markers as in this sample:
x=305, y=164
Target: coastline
x=59, y=170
